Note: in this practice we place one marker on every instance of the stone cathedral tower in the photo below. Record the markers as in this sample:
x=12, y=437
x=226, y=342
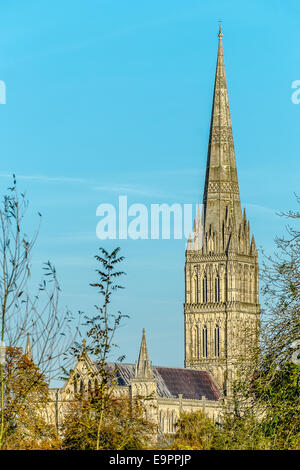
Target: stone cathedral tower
x=221, y=272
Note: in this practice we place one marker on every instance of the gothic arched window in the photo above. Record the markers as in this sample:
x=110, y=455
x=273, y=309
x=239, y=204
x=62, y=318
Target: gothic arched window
x=204, y=289
x=76, y=382
x=198, y=332
x=195, y=342
x=204, y=341
x=195, y=289
x=172, y=422
x=217, y=289
x=162, y=421
x=217, y=341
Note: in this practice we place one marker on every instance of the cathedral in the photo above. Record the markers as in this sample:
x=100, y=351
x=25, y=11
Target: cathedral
x=221, y=308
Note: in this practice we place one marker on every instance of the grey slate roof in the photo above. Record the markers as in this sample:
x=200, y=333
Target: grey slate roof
x=192, y=384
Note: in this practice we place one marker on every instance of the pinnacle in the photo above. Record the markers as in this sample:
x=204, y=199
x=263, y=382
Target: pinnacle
x=28, y=350
x=144, y=368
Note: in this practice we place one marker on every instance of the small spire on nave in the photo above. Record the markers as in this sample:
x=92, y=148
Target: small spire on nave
x=144, y=366
x=28, y=350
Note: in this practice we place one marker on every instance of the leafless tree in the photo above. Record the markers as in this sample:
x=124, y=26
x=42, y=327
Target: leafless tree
x=24, y=310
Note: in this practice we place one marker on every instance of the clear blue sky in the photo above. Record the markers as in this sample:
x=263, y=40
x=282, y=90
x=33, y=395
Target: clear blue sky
x=114, y=97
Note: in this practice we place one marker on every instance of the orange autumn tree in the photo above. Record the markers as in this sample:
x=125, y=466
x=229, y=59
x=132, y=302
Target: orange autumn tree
x=124, y=427
x=25, y=404
x=26, y=308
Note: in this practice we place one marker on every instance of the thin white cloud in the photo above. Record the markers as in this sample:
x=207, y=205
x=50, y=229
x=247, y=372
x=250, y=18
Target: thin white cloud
x=130, y=189
x=117, y=188
x=152, y=173
x=44, y=178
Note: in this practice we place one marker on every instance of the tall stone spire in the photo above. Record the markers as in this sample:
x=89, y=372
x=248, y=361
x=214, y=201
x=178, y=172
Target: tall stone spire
x=221, y=271
x=221, y=192
x=144, y=367
x=28, y=350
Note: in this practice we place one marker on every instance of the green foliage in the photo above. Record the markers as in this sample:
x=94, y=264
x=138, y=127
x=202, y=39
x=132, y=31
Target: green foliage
x=96, y=421
x=124, y=426
x=263, y=411
x=240, y=433
x=278, y=392
x=194, y=431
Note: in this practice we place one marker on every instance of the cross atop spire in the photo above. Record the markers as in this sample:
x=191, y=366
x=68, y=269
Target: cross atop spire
x=144, y=366
x=220, y=30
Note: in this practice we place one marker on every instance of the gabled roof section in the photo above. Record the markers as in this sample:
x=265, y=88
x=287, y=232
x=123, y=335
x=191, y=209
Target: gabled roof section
x=192, y=384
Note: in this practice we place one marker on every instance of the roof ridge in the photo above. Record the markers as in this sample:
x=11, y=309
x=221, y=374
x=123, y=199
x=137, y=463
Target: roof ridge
x=162, y=367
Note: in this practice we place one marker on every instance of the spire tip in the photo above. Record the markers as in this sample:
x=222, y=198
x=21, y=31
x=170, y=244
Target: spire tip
x=220, y=30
